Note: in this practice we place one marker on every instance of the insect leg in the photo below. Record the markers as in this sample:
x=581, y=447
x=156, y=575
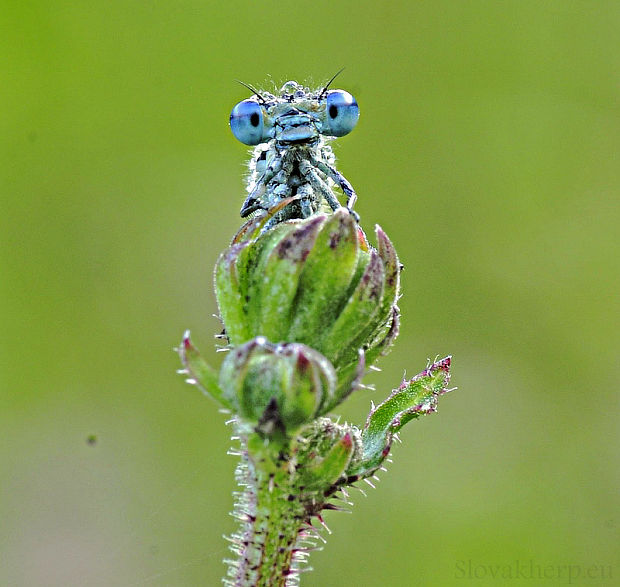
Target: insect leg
x=320, y=186
x=252, y=202
x=305, y=200
x=340, y=179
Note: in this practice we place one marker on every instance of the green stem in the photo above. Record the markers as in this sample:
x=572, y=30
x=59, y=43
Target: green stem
x=271, y=513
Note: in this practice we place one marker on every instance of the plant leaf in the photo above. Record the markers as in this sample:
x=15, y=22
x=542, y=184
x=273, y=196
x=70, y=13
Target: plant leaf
x=414, y=398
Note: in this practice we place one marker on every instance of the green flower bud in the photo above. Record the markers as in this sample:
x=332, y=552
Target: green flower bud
x=314, y=281
x=277, y=388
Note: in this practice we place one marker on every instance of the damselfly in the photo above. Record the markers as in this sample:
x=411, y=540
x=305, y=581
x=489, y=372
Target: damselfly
x=292, y=159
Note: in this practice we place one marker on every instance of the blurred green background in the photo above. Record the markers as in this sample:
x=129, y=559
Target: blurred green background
x=487, y=149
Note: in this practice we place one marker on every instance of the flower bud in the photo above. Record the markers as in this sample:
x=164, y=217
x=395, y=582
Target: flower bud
x=277, y=387
x=314, y=281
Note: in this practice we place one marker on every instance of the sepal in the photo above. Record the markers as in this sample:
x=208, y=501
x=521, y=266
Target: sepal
x=199, y=372
x=325, y=471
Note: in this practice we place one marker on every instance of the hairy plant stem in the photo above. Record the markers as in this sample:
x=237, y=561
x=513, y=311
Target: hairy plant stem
x=271, y=513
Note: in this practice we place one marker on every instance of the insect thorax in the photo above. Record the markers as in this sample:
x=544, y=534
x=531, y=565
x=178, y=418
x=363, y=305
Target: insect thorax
x=288, y=180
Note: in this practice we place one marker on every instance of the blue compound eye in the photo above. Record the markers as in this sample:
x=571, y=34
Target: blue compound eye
x=246, y=122
x=342, y=113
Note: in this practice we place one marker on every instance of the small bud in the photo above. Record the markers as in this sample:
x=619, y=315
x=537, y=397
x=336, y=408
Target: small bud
x=276, y=387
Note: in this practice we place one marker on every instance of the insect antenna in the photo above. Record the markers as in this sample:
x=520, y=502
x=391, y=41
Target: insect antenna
x=249, y=87
x=324, y=90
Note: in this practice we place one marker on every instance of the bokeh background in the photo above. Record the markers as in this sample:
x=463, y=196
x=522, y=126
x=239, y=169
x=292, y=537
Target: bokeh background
x=488, y=150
